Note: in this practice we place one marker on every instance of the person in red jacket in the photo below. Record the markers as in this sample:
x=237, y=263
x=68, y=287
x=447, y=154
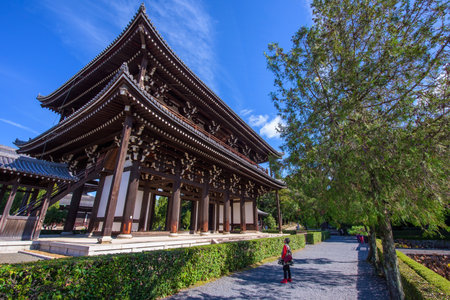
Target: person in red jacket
x=286, y=259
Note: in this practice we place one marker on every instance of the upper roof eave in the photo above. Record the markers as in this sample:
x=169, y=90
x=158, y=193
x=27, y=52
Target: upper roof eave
x=141, y=14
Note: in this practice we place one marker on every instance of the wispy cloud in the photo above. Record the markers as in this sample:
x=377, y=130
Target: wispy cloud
x=189, y=30
x=246, y=112
x=271, y=129
x=307, y=5
x=90, y=26
x=18, y=125
x=258, y=120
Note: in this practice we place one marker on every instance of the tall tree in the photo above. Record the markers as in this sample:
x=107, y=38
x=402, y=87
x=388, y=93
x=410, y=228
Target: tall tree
x=364, y=92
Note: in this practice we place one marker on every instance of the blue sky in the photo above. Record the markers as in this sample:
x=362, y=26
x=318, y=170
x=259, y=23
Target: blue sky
x=45, y=42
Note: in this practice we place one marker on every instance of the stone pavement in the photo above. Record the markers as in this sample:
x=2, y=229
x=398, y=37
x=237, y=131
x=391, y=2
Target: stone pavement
x=334, y=269
x=15, y=258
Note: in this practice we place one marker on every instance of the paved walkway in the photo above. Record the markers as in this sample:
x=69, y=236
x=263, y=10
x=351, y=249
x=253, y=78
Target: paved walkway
x=334, y=269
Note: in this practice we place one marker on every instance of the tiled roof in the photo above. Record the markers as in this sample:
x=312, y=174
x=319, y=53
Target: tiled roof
x=13, y=162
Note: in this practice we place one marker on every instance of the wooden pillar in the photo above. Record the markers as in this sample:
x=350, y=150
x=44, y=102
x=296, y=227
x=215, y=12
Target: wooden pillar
x=217, y=216
x=226, y=214
x=243, y=225
x=43, y=212
x=232, y=215
x=194, y=214
x=8, y=205
x=25, y=198
x=130, y=202
x=144, y=207
x=213, y=217
x=93, y=221
x=204, y=210
x=151, y=211
x=3, y=192
x=117, y=178
x=255, y=215
x=176, y=206
x=73, y=210
x=278, y=211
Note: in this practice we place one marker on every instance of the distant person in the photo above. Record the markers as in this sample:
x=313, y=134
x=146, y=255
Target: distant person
x=286, y=261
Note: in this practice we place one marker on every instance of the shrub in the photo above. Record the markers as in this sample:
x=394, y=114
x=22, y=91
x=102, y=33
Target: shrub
x=313, y=237
x=145, y=275
x=418, y=281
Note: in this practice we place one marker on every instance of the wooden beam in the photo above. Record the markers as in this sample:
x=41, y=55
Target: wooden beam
x=8, y=205
x=226, y=213
x=130, y=201
x=151, y=212
x=73, y=209
x=204, y=209
x=243, y=223
x=117, y=178
x=176, y=206
x=42, y=213
x=93, y=222
x=144, y=207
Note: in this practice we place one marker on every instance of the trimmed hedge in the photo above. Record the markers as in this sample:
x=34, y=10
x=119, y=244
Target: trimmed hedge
x=314, y=237
x=145, y=275
x=283, y=231
x=418, y=281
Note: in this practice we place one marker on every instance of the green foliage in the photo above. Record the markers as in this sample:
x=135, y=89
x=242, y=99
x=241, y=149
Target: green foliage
x=55, y=215
x=418, y=281
x=313, y=237
x=354, y=230
x=416, y=234
x=431, y=277
x=146, y=275
x=270, y=222
x=159, y=220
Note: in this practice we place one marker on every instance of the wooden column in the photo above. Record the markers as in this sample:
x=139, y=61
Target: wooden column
x=130, y=202
x=255, y=215
x=151, y=211
x=8, y=205
x=213, y=217
x=168, y=212
x=117, y=178
x=226, y=214
x=93, y=223
x=217, y=216
x=42, y=213
x=278, y=211
x=144, y=207
x=204, y=209
x=176, y=206
x=3, y=192
x=25, y=198
x=194, y=214
x=232, y=215
x=73, y=210
x=243, y=225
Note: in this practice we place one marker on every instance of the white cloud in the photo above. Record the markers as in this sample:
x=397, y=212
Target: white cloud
x=90, y=26
x=189, y=30
x=258, y=120
x=19, y=126
x=270, y=129
x=246, y=112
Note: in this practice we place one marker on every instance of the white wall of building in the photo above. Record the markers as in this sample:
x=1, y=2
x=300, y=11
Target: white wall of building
x=104, y=197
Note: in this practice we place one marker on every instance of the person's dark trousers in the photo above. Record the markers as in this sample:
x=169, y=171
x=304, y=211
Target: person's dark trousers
x=287, y=271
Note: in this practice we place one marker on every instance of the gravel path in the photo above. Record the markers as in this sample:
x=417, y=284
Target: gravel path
x=334, y=269
x=15, y=258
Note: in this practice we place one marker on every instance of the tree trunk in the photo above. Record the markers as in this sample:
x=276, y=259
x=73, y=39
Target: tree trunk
x=390, y=258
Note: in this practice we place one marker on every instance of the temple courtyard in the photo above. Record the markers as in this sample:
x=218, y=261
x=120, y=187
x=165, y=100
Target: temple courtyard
x=334, y=269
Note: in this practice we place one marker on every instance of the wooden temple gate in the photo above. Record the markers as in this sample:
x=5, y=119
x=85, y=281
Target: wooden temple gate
x=159, y=132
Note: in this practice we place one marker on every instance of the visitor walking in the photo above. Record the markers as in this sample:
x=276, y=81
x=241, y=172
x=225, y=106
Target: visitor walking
x=286, y=261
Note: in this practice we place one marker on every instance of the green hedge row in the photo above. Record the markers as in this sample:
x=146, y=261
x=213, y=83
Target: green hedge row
x=283, y=231
x=145, y=275
x=314, y=237
x=418, y=281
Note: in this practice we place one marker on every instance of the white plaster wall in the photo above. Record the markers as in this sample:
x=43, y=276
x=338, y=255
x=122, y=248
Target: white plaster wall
x=116, y=226
x=249, y=212
x=220, y=213
x=236, y=213
x=104, y=197
x=122, y=194
x=127, y=163
x=135, y=227
x=138, y=205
